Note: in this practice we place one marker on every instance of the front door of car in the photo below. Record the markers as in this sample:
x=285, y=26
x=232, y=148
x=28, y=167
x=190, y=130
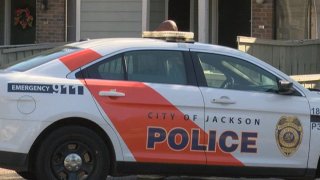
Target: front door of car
x=152, y=102
x=246, y=118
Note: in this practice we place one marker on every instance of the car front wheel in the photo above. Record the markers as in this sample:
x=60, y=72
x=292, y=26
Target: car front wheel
x=72, y=153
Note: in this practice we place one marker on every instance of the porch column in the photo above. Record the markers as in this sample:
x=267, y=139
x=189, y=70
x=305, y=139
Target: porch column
x=78, y=19
x=7, y=20
x=166, y=9
x=203, y=21
x=214, y=22
x=192, y=20
x=145, y=15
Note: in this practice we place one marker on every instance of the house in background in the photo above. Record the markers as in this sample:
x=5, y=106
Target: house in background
x=32, y=21
x=213, y=21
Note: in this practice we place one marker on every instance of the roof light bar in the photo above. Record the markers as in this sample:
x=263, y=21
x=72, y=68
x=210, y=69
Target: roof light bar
x=171, y=36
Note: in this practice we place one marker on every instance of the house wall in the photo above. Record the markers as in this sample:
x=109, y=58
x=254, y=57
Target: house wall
x=262, y=19
x=51, y=23
x=110, y=18
x=157, y=13
x=293, y=57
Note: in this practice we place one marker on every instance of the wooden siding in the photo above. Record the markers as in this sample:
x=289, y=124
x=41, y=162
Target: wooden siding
x=111, y=18
x=157, y=13
x=308, y=81
x=292, y=57
x=10, y=54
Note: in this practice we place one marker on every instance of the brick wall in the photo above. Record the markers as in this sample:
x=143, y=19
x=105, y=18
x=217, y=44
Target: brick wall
x=262, y=19
x=50, y=23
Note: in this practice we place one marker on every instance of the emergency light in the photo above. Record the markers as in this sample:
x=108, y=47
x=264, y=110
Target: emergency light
x=170, y=36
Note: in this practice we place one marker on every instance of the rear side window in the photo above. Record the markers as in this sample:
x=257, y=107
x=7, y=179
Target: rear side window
x=156, y=66
x=39, y=59
x=112, y=69
x=145, y=66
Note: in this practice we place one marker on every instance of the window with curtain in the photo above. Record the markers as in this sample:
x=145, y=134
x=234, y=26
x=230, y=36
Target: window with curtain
x=296, y=19
x=315, y=20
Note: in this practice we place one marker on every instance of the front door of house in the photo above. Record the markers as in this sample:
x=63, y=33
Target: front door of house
x=234, y=20
x=179, y=11
x=23, y=25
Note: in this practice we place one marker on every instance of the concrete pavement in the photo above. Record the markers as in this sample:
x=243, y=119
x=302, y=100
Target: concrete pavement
x=11, y=175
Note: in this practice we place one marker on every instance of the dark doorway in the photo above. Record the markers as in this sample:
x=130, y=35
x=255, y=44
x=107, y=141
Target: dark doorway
x=179, y=11
x=23, y=21
x=234, y=20
x=1, y=22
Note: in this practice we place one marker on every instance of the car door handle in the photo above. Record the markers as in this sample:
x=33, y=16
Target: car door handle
x=111, y=93
x=223, y=100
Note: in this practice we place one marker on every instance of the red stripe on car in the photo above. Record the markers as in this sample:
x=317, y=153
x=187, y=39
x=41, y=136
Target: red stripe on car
x=78, y=59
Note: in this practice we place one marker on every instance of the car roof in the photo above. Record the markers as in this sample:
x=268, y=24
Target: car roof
x=123, y=43
x=108, y=45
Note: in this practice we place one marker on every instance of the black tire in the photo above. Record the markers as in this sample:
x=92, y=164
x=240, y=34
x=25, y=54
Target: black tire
x=26, y=175
x=72, y=142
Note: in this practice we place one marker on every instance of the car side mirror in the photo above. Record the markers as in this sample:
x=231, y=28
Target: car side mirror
x=285, y=87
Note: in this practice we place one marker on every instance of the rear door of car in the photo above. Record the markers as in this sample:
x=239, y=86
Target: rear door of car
x=152, y=100
x=248, y=122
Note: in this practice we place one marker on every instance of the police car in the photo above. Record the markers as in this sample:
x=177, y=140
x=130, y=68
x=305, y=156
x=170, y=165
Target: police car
x=162, y=104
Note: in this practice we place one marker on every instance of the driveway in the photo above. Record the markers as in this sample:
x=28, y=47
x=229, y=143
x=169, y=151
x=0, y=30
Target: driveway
x=11, y=175
x=6, y=175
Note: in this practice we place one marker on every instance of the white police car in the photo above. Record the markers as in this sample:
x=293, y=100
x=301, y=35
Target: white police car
x=127, y=106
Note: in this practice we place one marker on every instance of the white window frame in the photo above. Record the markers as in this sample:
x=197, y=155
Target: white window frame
x=166, y=9
x=78, y=19
x=145, y=15
x=203, y=21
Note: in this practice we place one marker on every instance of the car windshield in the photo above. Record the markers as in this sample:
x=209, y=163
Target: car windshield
x=39, y=59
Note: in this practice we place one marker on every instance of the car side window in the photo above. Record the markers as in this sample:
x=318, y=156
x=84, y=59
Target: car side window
x=110, y=69
x=154, y=66
x=227, y=72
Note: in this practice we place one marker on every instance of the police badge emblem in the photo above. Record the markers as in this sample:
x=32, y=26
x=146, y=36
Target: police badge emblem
x=289, y=134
